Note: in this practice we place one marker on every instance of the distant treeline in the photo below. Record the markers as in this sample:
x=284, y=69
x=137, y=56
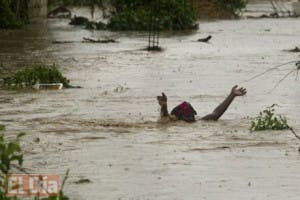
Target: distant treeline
x=170, y=14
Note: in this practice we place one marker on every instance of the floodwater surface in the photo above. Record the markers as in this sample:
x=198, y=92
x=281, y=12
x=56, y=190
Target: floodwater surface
x=107, y=131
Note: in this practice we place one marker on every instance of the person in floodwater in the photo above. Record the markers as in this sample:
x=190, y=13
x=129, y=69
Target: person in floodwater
x=187, y=113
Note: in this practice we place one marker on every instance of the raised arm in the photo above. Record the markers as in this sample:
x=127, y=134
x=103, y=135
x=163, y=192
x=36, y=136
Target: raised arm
x=162, y=101
x=220, y=110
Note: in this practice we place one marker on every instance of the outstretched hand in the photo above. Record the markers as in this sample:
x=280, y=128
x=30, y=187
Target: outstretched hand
x=236, y=91
x=162, y=100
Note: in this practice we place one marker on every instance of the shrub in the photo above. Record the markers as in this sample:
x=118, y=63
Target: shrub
x=35, y=74
x=9, y=153
x=130, y=20
x=135, y=15
x=13, y=16
x=267, y=120
x=7, y=17
x=232, y=6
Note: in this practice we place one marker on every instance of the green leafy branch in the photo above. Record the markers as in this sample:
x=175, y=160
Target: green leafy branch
x=268, y=120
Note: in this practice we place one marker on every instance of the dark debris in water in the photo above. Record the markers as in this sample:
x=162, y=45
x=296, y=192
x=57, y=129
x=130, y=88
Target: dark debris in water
x=294, y=50
x=83, y=181
x=255, y=144
x=210, y=149
x=205, y=39
x=91, y=40
x=62, y=42
x=90, y=138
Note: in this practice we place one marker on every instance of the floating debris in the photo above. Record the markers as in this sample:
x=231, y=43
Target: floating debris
x=91, y=40
x=205, y=39
x=60, y=12
x=83, y=181
x=62, y=42
x=295, y=50
x=120, y=89
x=50, y=86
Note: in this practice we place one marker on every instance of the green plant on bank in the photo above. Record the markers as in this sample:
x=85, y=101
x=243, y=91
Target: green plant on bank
x=38, y=73
x=267, y=120
x=11, y=156
x=232, y=6
x=10, y=153
x=13, y=14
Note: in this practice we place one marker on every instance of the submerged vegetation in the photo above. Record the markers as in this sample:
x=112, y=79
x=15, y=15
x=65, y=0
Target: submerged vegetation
x=13, y=14
x=267, y=120
x=83, y=21
x=38, y=73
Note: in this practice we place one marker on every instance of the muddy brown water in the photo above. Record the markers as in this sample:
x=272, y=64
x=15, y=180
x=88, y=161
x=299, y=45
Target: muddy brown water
x=107, y=131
